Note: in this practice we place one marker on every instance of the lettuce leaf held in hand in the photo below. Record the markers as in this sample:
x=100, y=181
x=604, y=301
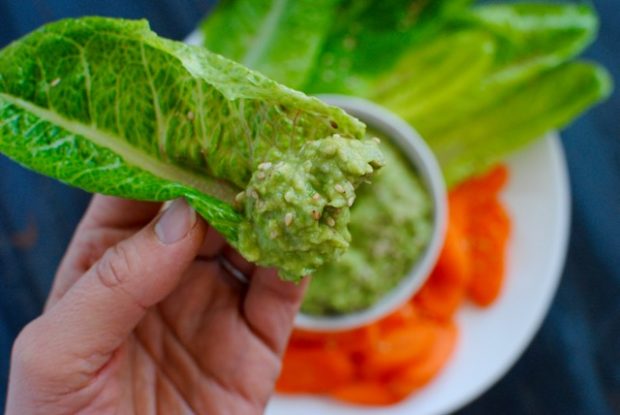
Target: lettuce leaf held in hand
x=108, y=106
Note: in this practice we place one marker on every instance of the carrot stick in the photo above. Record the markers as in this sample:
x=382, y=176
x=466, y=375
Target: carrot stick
x=365, y=393
x=398, y=347
x=414, y=376
x=488, y=247
x=303, y=338
x=486, y=228
x=314, y=370
x=445, y=289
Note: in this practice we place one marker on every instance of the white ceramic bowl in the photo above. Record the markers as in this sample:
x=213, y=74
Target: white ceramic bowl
x=424, y=162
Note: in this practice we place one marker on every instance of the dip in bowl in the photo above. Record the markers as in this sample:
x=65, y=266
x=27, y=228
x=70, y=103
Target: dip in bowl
x=397, y=228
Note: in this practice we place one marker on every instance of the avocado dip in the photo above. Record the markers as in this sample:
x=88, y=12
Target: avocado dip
x=390, y=226
x=297, y=204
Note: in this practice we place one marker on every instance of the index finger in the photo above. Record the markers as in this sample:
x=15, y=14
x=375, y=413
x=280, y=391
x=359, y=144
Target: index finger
x=107, y=221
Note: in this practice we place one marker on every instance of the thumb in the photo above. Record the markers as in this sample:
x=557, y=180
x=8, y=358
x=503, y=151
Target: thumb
x=105, y=305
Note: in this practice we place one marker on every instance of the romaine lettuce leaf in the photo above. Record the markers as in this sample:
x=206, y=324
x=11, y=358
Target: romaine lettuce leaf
x=279, y=38
x=108, y=106
x=532, y=36
x=532, y=108
x=486, y=60
x=424, y=78
x=529, y=39
x=368, y=38
x=527, y=73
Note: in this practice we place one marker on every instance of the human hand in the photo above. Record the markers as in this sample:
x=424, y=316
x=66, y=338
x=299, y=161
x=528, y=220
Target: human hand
x=143, y=319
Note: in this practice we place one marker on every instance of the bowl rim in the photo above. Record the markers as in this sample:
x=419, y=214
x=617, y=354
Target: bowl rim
x=415, y=149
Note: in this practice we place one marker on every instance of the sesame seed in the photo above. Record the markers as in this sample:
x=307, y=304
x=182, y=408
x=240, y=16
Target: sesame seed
x=240, y=196
x=55, y=82
x=316, y=214
x=316, y=197
x=331, y=222
x=339, y=188
x=264, y=166
x=350, y=201
x=288, y=219
x=260, y=175
x=190, y=116
x=329, y=150
x=376, y=140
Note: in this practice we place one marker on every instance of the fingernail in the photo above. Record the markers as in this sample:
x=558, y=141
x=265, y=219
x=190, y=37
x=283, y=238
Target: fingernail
x=176, y=222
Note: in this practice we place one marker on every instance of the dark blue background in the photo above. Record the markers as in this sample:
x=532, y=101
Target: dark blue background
x=573, y=365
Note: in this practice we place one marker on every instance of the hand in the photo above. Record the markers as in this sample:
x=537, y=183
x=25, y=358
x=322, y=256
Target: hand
x=143, y=319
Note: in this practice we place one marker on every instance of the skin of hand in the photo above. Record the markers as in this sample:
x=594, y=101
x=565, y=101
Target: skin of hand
x=143, y=319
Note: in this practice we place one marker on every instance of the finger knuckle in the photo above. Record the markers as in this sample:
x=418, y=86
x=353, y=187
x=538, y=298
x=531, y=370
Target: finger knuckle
x=28, y=353
x=115, y=267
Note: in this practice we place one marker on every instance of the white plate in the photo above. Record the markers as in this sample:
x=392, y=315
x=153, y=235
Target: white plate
x=492, y=339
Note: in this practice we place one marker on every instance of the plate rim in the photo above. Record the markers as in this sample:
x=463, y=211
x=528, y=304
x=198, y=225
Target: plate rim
x=553, y=140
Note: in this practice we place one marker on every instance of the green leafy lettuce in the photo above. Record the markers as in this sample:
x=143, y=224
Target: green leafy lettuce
x=530, y=85
x=478, y=82
x=108, y=106
x=368, y=37
x=279, y=38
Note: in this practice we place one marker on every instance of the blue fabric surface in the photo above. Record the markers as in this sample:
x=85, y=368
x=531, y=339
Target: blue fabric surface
x=572, y=366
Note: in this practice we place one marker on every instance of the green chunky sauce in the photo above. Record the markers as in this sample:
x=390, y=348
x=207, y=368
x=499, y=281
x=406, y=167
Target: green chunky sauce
x=390, y=226
x=297, y=204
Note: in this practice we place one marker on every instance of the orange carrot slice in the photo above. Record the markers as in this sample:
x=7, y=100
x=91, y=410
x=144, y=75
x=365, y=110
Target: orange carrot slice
x=445, y=289
x=414, y=376
x=365, y=393
x=488, y=250
x=398, y=347
x=314, y=370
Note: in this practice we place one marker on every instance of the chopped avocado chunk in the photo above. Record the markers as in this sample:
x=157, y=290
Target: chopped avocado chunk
x=390, y=226
x=297, y=205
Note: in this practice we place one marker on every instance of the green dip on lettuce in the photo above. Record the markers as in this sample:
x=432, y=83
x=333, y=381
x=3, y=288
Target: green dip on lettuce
x=390, y=225
x=297, y=206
